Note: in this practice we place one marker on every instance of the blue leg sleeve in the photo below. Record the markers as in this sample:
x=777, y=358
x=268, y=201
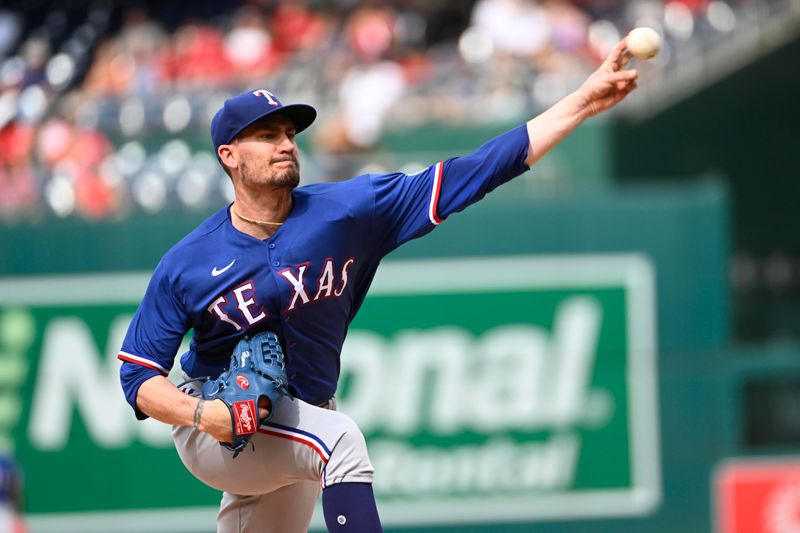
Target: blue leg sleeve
x=350, y=508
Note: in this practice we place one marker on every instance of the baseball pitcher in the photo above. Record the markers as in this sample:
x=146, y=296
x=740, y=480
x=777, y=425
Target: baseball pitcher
x=268, y=286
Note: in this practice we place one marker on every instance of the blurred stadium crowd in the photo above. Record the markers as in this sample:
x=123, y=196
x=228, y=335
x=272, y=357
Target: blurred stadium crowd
x=105, y=105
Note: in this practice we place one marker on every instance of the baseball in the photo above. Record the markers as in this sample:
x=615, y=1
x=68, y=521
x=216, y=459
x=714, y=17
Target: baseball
x=644, y=43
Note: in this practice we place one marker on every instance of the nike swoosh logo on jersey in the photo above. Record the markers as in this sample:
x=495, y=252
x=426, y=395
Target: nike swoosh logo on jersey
x=216, y=272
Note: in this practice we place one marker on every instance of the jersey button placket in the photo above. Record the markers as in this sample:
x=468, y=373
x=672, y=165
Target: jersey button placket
x=271, y=247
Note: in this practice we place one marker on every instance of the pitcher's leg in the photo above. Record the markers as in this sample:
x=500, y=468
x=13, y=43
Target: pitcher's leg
x=301, y=444
x=347, y=498
x=276, y=457
x=251, y=472
x=286, y=510
x=335, y=448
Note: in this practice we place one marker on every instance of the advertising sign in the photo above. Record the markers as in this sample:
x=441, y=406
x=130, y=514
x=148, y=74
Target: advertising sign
x=758, y=496
x=490, y=389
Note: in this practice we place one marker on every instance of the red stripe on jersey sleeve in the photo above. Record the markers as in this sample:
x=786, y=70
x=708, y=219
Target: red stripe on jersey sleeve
x=433, y=210
x=141, y=361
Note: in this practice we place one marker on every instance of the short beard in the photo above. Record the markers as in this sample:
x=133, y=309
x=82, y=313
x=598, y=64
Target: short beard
x=288, y=178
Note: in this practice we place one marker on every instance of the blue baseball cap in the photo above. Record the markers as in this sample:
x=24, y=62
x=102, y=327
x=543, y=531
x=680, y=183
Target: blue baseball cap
x=249, y=107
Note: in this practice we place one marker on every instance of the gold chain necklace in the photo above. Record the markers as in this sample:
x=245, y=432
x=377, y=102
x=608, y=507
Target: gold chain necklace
x=254, y=221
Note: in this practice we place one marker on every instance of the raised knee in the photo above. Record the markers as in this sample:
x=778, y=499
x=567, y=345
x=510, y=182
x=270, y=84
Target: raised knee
x=351, y=439
x=349, y=461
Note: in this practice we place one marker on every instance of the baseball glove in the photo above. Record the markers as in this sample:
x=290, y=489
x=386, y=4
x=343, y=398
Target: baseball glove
x=257, y=370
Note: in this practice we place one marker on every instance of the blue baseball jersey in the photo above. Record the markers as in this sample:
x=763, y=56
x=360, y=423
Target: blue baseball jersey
x=307, y=281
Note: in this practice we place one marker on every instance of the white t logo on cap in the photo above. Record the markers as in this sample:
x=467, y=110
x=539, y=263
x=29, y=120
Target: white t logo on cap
x=268, y=95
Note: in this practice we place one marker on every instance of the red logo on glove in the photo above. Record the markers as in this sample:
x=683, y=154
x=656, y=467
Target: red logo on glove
x=244, y=417
x=242, y=381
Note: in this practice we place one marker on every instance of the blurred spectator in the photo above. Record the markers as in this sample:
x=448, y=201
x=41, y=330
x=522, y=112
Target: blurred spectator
x=568, y=51
x=143, y=40
x=76, y=155
x=519, y=27
x=370, y=32
x=367, y=93
x=35, y=52
x=569, y=26
x=249, y=47
x=10, y=28
x=197, y=57
x=298, y=28
x=112, y=72
x=130, y=62
x=18, y=187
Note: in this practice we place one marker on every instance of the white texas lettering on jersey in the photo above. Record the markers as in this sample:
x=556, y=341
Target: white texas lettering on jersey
x=347, y=265
x=298, y=288
x=325, y=282
x=245, y=303
x=328, y=286
x=216, y=308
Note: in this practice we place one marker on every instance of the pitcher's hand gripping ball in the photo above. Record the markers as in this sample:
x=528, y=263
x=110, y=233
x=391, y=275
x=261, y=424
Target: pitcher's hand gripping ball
x=257, y=370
